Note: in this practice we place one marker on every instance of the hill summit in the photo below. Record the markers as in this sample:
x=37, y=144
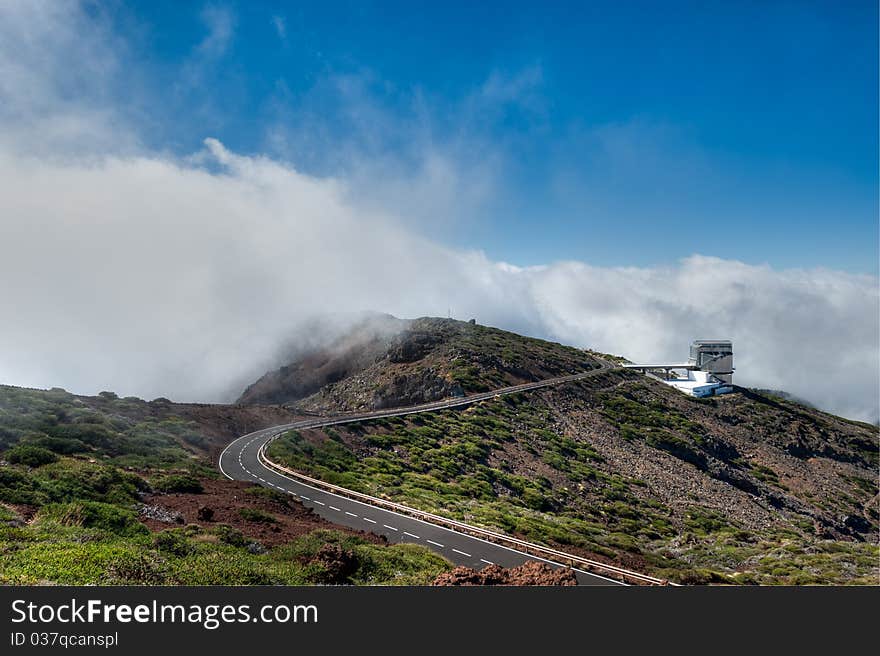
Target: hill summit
x=384, y=362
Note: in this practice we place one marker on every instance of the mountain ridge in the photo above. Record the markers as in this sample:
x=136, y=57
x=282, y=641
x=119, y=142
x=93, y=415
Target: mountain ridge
x=622, y=467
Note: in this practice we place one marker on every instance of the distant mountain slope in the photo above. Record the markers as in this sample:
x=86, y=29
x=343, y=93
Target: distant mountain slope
x=386, y=362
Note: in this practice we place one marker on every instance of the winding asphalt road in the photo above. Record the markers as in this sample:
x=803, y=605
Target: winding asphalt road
x=240, y=461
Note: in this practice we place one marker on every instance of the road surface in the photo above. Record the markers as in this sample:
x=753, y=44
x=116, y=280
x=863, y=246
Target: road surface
x=240, y=461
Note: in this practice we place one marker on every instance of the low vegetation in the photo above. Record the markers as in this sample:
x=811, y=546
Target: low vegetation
x=72, y=478
x=552, y=468
x=99, y=544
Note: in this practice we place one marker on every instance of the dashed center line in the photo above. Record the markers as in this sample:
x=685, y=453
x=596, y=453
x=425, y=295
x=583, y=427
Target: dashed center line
x=262, y=440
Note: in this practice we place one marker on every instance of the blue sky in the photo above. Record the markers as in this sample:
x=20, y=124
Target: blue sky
x=616, y=135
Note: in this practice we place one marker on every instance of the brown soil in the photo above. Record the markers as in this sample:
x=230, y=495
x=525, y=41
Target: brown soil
x=226, y=499
x=529, y=573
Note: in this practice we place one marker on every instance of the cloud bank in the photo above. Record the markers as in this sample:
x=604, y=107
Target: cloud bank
x=155, y=275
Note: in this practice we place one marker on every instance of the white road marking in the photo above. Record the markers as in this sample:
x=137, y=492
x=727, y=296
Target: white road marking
x=463, y=553
x=391, y=527
x=488, y=562
x=350, y=513
x=437, y=544
x=367, y=519
x=320, y=503
x=412, y=535
x=305, y=497
x=334, y=508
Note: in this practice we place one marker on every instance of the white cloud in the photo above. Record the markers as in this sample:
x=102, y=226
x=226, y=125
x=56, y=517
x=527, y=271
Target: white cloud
x=280, y=25
x=57, y=68
x=519, y=89
x=156, y=276
x=219, y=22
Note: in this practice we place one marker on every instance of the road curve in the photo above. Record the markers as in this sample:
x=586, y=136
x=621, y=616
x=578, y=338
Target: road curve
x=241, y=460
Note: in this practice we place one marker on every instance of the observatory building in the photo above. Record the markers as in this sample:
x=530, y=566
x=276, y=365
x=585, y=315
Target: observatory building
x=714, y=356
x=708, y=371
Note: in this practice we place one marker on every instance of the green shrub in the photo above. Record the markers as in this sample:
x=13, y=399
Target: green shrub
x=60, y=445
x=71, y=480
x=173, y=541
x=136, y=569
x=32, y=456
x=229, y=535
x=95, y=515
x=183, y=483
x=268, y=493
x=257, y=515
x=18, y=487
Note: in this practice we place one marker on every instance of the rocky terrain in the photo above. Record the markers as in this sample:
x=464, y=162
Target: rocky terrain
x=529, y=573
x=751, y=487
x=385, y=362
x=264, y=518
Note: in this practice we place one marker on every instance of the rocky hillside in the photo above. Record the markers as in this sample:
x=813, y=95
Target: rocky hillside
x=751, y=487
x=386, y=362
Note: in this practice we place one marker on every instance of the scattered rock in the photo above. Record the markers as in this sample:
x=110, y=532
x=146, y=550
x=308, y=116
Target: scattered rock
x=160, y=514
x=857, y=524
x=529, y=573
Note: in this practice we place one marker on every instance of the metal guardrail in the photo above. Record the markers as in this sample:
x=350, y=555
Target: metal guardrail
x=559, y=557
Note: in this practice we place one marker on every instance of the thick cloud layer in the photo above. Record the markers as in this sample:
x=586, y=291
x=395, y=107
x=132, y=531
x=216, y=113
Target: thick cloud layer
x=153, y=277
x=127, y=269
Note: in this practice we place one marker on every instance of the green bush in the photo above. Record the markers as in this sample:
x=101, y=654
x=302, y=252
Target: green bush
x=183, y=483
x=268, y=493
x=71, y=480
x=95, y=515
x=136, y=569
x=173, y=541
x=229, y=535
x=18, y=487
x=60, y=445
x=257, y=515
x=32, y=456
